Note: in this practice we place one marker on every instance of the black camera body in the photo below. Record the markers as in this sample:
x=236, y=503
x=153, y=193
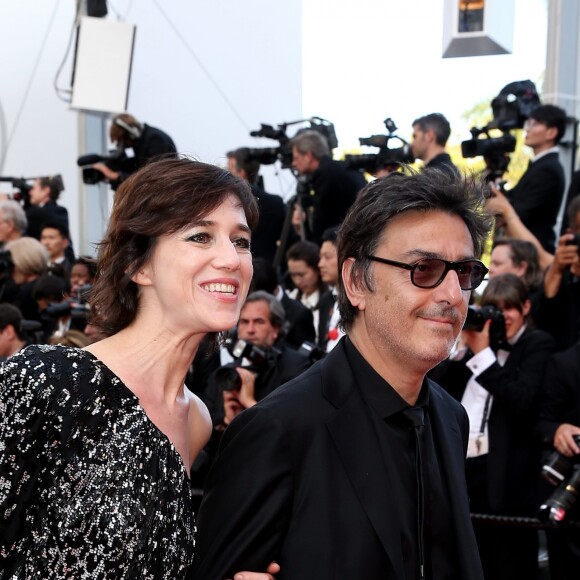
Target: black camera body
x=563, y=472
x=283, y=153
x=387, y=157
x=227, y=378
x=575, y=241
x=511, y=107
x=476, y=319
x=117, y=160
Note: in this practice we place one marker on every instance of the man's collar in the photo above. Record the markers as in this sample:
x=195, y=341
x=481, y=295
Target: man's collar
x=545, y=152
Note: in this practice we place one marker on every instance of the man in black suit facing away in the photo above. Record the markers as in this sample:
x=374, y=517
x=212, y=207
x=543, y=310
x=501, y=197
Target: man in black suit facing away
x=355, y=469
x=538, y=195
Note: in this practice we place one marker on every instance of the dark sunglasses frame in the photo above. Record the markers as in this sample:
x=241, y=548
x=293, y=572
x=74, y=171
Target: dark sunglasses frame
x=456, y=266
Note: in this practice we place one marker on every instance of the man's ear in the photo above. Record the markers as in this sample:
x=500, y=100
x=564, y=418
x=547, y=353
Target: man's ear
x=354, y=289
x=526, y=307
x=552, y=133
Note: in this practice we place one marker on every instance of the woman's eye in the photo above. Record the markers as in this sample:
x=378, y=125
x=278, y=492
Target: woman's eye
x=243, y=243
x=201, y=238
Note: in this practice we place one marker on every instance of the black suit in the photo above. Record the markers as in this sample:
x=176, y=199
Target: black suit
x=267, y=233
x=443, y=163
x=332, y=189
x=37, y=216
x=325, y=308
x=301, y=479
x=537, y=198
x=299, y=324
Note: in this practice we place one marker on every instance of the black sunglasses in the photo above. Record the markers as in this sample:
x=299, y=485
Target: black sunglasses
x=430, y=272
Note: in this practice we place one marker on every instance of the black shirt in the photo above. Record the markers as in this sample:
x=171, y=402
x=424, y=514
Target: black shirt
x=398, y=447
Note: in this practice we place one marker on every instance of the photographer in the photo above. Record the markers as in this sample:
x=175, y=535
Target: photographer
x=430, y=134
x=559, y=421
x=43, y=206
x=261, y=319
x=140, y=142
x=330, y=187
x=498, y=382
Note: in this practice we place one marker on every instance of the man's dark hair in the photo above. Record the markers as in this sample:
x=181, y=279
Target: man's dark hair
x=551, y=116
x=277, y=314
x=59, y=227
x=330, y=235
x=54, y=183
x=311, y=142
x=49, y=287
x=251, y=167
x=438, y=123
x=383, y=199
x=304, y=250
x=523, y=251
x=265, y=277
x=10, y=315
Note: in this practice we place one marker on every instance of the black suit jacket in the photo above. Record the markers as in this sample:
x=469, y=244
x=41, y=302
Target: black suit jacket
x=299, y=324
x=333, y=188
x=537, y=198
x=267, y=233
x=514, y=452
x=560, y=395
x=301, y=480
x=325, y=308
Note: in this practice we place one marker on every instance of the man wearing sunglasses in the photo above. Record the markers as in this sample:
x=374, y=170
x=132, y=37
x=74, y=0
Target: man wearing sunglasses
x=355, y=469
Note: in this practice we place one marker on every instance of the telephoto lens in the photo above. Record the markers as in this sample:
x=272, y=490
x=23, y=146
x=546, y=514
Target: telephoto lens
x=559, y=504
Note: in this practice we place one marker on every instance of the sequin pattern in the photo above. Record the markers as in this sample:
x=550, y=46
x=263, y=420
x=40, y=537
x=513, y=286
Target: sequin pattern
x=89, y=487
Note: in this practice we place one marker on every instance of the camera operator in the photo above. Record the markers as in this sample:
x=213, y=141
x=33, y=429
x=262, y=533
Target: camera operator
x=43, y=206
x=538, y=195
x=430, y=135
x=13, y=222
x=559, y=421
x=141, y=144
x=499, y=385
x=330, y=187
x=266, y=235
x=55, y=238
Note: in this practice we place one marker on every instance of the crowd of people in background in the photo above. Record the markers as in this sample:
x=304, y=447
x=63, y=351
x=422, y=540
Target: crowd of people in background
x=517, y=375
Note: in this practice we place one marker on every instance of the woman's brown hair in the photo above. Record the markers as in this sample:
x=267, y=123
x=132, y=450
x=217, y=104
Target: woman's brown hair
x=162, y=198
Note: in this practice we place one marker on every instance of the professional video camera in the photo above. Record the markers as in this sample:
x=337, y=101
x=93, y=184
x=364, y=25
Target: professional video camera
x=511, y=108
x=23, y=187
x=227, y=378
x=76, y=306
x=386, y=158
x=564, y=472
x=117, y=160
x=476, y=319
x=283, y=153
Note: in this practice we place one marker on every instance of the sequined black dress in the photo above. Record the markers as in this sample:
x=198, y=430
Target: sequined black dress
x=89, y=487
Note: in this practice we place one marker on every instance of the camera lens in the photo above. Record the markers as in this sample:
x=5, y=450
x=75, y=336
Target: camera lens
x=228, y=379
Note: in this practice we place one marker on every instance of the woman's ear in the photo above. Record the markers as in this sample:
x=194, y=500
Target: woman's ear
x=355, y=292
x=142, y=277
x=526, y=307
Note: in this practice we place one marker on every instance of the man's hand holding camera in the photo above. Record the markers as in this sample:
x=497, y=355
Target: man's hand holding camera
x=235, y=401
x=109, y=174
x=564, y=441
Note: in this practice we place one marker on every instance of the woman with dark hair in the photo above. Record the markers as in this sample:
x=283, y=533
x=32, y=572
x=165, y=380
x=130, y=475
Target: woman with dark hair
x=97, y=443
x=498, y=383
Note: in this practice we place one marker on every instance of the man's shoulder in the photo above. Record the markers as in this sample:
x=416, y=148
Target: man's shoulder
x=443, y=400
